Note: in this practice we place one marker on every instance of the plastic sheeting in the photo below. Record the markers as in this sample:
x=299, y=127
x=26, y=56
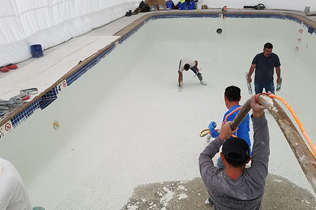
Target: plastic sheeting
x=51, y=22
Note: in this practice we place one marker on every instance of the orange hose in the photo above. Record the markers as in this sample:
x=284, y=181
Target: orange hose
x=202, y=134
x=299, y=124
x=232, y=113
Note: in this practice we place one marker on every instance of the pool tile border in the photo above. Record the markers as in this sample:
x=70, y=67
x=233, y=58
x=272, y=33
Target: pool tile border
x=51, y=94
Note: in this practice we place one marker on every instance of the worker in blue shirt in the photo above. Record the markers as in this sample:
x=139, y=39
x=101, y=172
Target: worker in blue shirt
x=232, y=98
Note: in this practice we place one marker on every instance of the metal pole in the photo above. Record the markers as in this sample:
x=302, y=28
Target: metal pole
x=296, y=142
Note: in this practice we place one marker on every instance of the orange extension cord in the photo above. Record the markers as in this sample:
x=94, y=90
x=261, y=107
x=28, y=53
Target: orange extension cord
x=298, y=122
x=309, y=141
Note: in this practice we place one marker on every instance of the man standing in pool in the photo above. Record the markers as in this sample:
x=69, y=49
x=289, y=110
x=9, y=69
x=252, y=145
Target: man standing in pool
x=264, y=63
x=232, y=98
x=186, y=64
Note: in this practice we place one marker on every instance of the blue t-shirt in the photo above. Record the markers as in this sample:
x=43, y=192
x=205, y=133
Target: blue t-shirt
x=243, y=128
x=265, y=67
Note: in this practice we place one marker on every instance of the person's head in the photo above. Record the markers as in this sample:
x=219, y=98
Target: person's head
x=236, y=152
x=232, y=96
x=186, y=67
x=267, y=49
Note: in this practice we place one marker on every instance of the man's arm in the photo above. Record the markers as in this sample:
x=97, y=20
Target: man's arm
x=8, y=187
x=251, y=70
x=196, y=65
x=179, y=78
x=208, y=153
x=261, y=148
x=205, y=160
x=278, y=72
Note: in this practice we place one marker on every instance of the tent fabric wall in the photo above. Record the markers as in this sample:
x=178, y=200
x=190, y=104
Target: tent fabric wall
x=51, y=22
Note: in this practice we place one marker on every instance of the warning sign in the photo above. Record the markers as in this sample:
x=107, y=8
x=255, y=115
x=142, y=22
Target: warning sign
x=61, y=86
x=5, y=129
x=7, y=126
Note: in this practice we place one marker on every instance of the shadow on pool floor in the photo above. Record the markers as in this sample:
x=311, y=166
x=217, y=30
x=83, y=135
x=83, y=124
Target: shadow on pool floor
x=190, y=195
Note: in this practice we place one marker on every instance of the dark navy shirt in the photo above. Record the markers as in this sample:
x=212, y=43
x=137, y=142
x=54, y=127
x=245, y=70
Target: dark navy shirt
x=265, y=67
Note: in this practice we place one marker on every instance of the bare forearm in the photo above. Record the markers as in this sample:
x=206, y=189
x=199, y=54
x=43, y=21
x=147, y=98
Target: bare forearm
x=257, y=114
x=251, y=70
x=196, y=65
x=278, y=72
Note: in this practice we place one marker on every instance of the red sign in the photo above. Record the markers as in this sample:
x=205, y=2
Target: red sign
x=7, y=126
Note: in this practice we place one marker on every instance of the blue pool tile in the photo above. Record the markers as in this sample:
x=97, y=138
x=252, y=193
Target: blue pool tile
x=310, y=30
x=48, y=98
x=24, y=114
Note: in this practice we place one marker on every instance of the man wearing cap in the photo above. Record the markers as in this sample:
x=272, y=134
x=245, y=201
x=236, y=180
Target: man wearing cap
x=186, y=64
x=237, y=187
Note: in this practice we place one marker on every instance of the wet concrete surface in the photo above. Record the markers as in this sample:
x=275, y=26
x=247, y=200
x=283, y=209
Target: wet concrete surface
x=190, y=195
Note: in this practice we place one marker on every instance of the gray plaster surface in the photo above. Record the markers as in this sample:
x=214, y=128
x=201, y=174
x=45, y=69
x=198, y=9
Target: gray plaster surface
x=190, y=195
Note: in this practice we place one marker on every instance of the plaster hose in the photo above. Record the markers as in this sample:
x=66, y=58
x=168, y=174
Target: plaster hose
x=299, y=124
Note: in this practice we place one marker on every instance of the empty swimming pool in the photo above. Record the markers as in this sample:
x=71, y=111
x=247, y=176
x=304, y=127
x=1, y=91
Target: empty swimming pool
x=124, y=123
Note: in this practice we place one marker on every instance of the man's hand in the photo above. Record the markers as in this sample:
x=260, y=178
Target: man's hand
x=226, y=130
x=278, y=80
x=249, y=79
x=257, y=109
x=212, y=127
